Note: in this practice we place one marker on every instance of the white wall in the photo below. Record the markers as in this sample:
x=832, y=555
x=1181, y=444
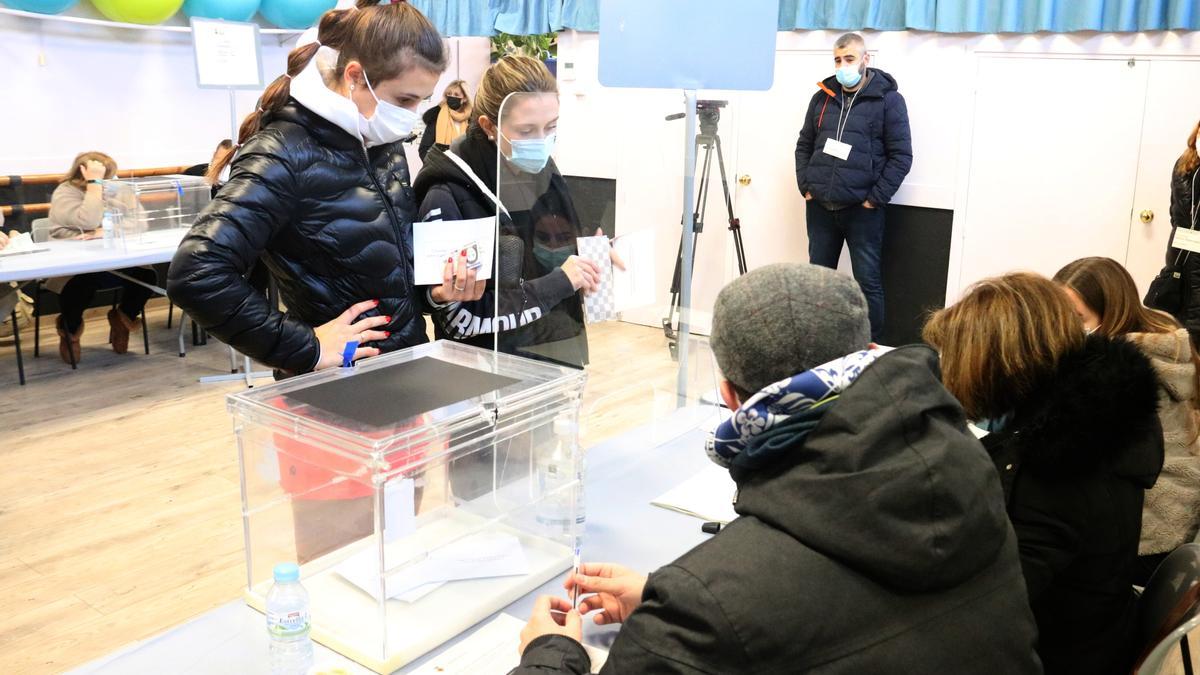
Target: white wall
x=935, y=74
x=130, y=93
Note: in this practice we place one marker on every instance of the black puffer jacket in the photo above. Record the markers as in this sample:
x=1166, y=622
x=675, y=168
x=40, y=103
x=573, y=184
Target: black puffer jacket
x=878, y=544
x=876, y=126
x=1075, y=462
x=1184, y=188
x=332, y=222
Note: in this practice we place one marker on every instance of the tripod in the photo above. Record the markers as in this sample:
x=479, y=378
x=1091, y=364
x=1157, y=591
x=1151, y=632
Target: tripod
x=708, y=140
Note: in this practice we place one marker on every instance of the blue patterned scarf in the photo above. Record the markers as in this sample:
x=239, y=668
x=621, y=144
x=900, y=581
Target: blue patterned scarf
x=796, y=403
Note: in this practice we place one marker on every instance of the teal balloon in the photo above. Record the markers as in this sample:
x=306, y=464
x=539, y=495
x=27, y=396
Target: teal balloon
x=295, y=14
x=227, y=10
x=41, y=6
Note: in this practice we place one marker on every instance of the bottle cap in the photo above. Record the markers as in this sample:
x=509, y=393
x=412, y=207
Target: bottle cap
x=285, y=572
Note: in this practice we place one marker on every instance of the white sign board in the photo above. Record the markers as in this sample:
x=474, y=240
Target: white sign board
x=228, y=55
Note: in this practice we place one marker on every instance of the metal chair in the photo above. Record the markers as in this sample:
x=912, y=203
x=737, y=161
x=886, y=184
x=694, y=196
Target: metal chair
x=1168, y=610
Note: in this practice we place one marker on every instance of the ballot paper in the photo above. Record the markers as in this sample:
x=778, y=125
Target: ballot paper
x=491, y=650
x=636, y=285
x=599, y=305
x=437, y=241
x=20, y=245
x=479, y=556
x=708, y=496
x=619, y=289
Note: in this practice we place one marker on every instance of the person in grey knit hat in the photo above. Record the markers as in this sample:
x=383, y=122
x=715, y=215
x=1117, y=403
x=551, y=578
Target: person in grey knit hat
x=784, y=319
x=871, y=535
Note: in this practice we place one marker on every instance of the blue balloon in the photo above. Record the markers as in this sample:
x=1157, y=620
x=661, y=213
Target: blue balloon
x=228, y=10
x=41, y=6
x=295, y=14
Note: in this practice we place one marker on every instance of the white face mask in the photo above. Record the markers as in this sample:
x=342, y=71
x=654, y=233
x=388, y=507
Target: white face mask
x=389, y=124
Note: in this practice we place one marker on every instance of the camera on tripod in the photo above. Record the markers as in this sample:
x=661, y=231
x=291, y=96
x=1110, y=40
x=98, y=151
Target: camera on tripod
x=709, y=114
x=707, y=140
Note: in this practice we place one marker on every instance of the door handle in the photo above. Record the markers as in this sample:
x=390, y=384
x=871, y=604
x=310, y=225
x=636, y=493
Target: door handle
x=1146, y=215
x=744, y=180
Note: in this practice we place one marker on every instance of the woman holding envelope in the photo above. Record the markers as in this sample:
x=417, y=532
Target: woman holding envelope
x=503, y=165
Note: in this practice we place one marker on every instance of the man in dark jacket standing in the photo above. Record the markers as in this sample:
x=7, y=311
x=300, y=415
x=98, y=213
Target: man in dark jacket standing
x=872, y=536
x=853, y=152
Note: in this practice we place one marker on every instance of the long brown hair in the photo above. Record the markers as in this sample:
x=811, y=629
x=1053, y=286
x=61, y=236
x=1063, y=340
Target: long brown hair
x=1002, y=340
x=1105, y=286
x=1190, y=159
x=74, y=175
x=510, y=75
x=1108, y=290
x=388, y=40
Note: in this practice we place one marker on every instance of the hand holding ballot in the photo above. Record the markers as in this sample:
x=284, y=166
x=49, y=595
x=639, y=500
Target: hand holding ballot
x=552, y=615
x=460, y=278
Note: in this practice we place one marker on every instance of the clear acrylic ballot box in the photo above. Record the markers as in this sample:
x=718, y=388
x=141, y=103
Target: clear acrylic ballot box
x=155, y=210
x=420, y=492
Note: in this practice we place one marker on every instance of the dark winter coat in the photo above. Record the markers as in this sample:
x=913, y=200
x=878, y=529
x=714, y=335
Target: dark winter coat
x=1075, y=461
x=876, y=126
x=1184, y=188
x=333, y=223
x=878, y=544
x=540, y=301
x=429, y=138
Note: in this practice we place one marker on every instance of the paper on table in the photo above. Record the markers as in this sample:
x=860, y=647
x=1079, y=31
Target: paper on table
x=21, y=244
x=635, y=287
x=708, y=495
x=436, y=241
x=478, y=556
x=491, y=650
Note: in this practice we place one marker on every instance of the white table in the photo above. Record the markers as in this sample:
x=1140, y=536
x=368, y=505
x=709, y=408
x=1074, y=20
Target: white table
x=624, y=474
x=64, y=258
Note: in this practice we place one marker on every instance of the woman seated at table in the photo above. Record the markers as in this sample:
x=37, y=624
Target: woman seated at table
x=76, y=212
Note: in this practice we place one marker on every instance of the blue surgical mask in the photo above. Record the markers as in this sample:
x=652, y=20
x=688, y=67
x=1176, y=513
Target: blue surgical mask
x=551, y=258
x=848, y=76
x=532, y=155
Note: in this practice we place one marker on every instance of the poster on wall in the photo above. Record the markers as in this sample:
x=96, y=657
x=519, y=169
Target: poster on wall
x=228, y=54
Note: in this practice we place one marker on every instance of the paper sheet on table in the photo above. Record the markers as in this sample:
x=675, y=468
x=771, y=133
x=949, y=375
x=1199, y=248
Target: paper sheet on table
x=491, y=650
x=478, y=556
x=436, y=241
x=20, y=245
x=708, y=496
x=635, y=286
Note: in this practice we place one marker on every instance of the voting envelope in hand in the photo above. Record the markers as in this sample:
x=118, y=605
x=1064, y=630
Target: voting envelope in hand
x=599, y=306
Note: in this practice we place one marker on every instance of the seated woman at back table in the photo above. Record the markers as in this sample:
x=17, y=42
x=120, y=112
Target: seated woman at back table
x=77, y=212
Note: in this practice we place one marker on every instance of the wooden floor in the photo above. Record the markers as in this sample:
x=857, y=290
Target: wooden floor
x=119, y=497
x=119, y=491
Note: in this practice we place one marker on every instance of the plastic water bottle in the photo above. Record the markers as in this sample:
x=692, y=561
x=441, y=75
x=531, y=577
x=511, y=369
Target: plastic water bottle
x=106, y=223
x=288, y=623
x=562, y=505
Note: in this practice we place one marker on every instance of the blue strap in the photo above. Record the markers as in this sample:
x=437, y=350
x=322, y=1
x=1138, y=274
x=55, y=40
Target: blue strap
x=348, y=353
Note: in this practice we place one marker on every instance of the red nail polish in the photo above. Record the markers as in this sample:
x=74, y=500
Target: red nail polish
x=387, y=333
x=376, y=303
x=464, y=253
x=450, y=259
x=389, y=319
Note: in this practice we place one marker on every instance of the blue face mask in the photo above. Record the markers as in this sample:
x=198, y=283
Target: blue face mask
x=848, y=76
x=531, y=156
x=551, y=258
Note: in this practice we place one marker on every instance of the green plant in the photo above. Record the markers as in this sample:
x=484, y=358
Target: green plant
x=540, y=47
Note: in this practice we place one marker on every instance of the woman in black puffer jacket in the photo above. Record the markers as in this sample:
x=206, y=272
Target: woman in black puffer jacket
x=319, y=190
x=1076, y=442
x=1185, y=181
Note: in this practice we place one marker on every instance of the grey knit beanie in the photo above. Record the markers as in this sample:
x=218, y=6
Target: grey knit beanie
x=784, y=319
